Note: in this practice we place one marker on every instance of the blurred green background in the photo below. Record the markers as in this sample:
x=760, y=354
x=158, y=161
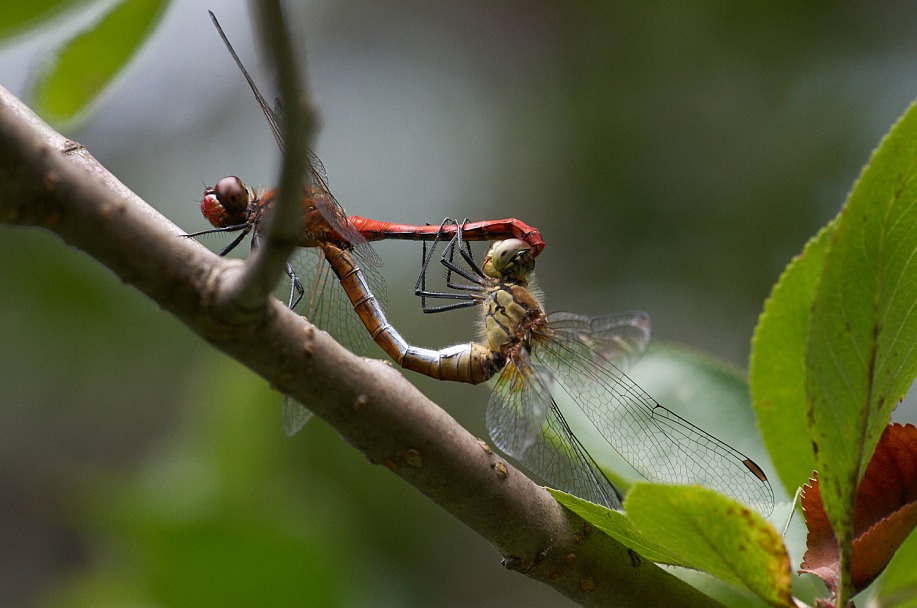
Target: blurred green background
x=674, y=155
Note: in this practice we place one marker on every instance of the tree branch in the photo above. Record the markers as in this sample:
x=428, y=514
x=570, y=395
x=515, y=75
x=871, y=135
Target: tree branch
x=53, y=183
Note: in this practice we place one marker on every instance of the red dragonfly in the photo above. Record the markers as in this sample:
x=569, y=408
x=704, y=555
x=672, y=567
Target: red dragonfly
x=232, y=207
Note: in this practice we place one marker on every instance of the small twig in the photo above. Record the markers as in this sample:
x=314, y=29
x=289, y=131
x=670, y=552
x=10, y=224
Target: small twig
x=265, y=269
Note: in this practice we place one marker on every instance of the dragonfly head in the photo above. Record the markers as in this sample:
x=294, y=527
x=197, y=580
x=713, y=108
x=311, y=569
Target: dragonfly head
x=226, y=204
x=509, y=259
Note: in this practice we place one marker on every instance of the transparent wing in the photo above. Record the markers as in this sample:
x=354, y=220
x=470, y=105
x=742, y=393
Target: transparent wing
x=517, y=409
x=526, y=424
x=620, y=338
x=326, y=305
x=317, y=193
x=294, y=414
x=316, y=186
x=659, y=444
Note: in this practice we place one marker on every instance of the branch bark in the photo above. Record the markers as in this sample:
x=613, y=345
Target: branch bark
x=54, y=183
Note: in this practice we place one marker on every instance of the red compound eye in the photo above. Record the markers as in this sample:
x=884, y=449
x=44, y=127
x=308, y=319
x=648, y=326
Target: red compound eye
x=232, y=194
x=226, y=203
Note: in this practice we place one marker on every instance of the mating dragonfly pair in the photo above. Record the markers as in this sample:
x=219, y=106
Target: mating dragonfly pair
x=537, y=358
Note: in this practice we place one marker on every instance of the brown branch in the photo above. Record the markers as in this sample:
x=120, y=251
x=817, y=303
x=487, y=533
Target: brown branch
x=54, y=183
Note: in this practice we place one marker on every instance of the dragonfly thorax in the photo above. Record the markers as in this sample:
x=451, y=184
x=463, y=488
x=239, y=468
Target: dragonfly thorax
x=510, y=311
x=317, y=204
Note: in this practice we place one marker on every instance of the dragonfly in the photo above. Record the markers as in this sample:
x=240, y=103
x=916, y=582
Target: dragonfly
x=545, y=362
x=231, y=206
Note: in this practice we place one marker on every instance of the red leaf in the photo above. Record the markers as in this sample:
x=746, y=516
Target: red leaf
x=886, y=512
x=822, y=557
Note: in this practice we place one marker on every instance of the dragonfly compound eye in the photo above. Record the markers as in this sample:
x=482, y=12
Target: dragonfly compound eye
x=212, y=209
x=226, y=203
x=232, y=194
x=508, y=257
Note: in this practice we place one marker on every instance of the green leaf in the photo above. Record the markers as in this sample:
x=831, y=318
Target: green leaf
x=862, y=347
x=616, y=525
x=777, y=365
x=712, y=533
x=90, y=61
x=899, y=582
x=20, y=17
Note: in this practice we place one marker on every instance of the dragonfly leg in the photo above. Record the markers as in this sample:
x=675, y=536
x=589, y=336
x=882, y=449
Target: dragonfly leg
x=242, y=229
x=297, y=291
x=235, y=242
x=296, y=288
x=464, y=248
x=420, y=287
x=473, y=273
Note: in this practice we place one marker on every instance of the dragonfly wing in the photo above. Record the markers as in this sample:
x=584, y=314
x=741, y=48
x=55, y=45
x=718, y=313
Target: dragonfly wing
x=316, y=186
x=275, y=117
x=526, y=424
x=295, y=415
x=517, y=410
x=334, y=214
x=325, y=303
x=619, y=338
x=658, y=443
